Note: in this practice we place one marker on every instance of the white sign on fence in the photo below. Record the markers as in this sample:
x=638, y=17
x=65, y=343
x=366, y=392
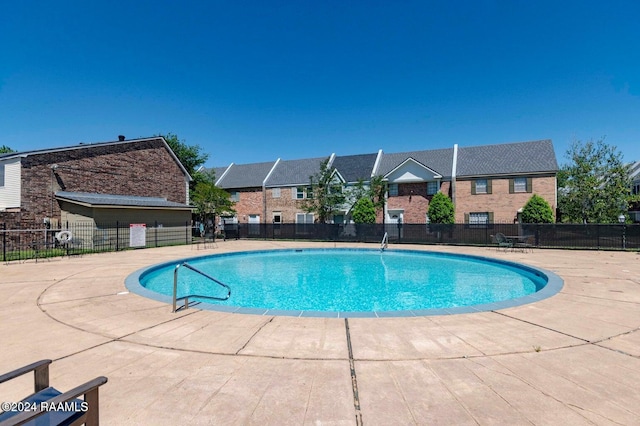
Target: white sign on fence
x=137, y=235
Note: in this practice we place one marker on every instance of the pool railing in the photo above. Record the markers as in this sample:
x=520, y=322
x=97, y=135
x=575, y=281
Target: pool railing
x=186, y=298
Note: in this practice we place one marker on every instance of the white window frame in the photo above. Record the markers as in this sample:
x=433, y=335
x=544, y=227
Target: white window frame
x=305, y=217
x=235, y=196
x=275, y=192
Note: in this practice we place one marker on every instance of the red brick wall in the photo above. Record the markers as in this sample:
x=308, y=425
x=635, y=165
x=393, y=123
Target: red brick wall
x=285, y=204
x=415, y=204
x=140, y=168
x=250, y=202
x=503, y=204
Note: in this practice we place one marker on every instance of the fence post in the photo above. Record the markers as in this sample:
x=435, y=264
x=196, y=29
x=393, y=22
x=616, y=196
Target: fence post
x=117, y=235
x=4, y=242
x=186, y=232
x=155, y=233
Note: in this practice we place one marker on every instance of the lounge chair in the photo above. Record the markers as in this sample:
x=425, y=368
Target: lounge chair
x=503, y=242
x=49, y=406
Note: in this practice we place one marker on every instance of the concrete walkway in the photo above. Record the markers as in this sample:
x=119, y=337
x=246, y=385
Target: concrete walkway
x=572, y=359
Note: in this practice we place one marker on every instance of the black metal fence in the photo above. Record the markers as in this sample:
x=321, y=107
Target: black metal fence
x=589, y=236
x=78, y=238
x=34, y=243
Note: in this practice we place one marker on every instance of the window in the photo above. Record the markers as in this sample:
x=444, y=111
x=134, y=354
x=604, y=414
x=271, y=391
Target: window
x=432, y=188
x=277, y=217
x=636, y=187
x=1, y=175
x=235, y=196
x=303, y=192
x=481, y=186
x=275, y=192
x=393, y=190
x=304, y=217
x=304, y=223
x=478, y=219
x=520, y=185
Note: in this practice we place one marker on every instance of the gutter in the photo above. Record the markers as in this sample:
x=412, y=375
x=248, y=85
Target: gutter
x=454, y=167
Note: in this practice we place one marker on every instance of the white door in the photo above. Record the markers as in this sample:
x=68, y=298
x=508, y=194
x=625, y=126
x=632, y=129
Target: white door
x=394, y=219
x=254, y=224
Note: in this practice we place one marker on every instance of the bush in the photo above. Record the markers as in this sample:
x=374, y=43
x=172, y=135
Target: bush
x=364, y=211
x=537, y=210
x=441, y=209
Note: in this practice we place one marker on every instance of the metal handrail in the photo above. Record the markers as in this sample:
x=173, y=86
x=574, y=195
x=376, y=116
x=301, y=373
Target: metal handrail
x=186, y=298
x=385, y=241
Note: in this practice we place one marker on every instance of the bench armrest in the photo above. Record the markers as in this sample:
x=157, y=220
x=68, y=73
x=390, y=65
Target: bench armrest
x=40, y=370
x=88, y=389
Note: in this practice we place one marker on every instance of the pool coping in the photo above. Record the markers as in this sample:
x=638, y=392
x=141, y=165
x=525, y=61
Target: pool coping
x=554, y=284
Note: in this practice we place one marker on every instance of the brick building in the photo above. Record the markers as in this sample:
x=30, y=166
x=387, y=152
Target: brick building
x=488, y=184
x=141, y=180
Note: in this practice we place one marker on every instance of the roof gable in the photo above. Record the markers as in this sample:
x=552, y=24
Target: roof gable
x=411, y=171
x=85, y=146
x=353, y=168
x=437, y=160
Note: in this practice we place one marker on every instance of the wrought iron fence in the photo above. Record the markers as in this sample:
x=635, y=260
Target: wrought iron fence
x=588, y=236
x=88, y=237
x=78, y=238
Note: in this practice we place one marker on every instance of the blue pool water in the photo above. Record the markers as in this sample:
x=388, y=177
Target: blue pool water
x=351, y=282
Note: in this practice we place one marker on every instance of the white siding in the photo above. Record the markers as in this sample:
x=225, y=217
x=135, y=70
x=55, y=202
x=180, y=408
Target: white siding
x=10, y=191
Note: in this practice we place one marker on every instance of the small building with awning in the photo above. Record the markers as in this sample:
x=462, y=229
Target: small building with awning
x=99, y=219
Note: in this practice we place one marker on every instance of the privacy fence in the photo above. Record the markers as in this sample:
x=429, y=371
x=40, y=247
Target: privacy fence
x=79, y=237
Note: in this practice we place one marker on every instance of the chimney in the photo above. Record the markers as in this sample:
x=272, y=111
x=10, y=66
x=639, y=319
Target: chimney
x=120, y=138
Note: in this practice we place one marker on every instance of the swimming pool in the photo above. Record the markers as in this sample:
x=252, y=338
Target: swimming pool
x=350, y=282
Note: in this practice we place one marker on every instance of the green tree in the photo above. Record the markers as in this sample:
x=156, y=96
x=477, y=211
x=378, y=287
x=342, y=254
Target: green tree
x=191, y=157
x=375, y=190
x=364, y=211
x=211, y=201
x=5, y=150
x=537, y=210
x=597, y=187
x=441, y=209
x=325, y=195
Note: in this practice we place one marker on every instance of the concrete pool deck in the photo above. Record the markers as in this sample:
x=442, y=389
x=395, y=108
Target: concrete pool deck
x=572, y=359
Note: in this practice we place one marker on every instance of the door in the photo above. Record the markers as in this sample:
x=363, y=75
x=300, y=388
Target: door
x=254, y=224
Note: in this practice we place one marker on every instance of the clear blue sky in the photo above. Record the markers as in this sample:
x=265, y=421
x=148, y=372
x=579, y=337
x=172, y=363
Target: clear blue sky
x=251, y=81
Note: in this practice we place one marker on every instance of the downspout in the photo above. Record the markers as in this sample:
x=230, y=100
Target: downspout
x=374, y=172
x=264, y=191
x=454, y=167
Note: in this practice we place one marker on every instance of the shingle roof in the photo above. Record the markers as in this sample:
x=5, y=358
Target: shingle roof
x=438, y=160
x=510, y=158
x=218, y=172
x=294, y=172
x=95, y=199
x=634, y=170
x=94, y=145
x=355, y=167
x=245, y=175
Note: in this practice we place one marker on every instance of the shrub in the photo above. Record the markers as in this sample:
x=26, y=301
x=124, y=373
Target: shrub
x=537, y=210
x=364, y=211
x=441, y=209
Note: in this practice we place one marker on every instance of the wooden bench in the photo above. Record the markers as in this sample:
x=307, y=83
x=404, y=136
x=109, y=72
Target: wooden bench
x=49, y=406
